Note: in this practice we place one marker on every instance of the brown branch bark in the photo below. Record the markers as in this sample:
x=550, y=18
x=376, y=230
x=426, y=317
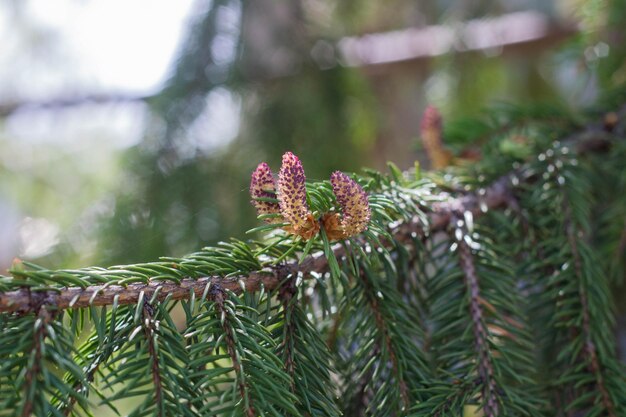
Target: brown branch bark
x=23, y=301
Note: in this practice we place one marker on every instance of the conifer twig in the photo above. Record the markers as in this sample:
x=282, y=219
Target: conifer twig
x=24, y=300
x=481, y=339
x=33, y=372
x=287, y=292
x=440, y=215
x=382, y=327
x=149, y=330
x=219, y=297
x=590, y=347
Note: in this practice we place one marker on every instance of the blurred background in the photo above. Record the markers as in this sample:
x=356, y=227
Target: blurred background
x=129, y=129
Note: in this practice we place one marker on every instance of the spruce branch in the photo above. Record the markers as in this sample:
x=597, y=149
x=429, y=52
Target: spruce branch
x=481, y=346
x=306, y=359
x=219, y=296
x=574, y=289
x=140, y=337
x=235, y=368
x=572, y=233
x=34, y=351
x=112, y=329
x=269, y=278
x=381, y=324
x=83, y=387
x=287, y=296
x=149, y=326
x=384, y=365
x=439, y=215
x=481, y=342
x=236, y=359
x=32, y=373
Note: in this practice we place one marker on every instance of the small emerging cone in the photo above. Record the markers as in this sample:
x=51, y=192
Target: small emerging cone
x=333, y=227
x=292, y=198
x=354, y=205
x=431, y=134
x=262, y=185
x=17, y=265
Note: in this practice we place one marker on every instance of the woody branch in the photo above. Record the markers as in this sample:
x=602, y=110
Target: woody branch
x=496, y=196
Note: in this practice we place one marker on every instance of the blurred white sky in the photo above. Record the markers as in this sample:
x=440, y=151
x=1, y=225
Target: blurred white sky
x=66, y=48
x=111, y=45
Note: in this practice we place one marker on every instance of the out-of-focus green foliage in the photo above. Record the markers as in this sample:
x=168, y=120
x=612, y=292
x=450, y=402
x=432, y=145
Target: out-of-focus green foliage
x=281, y=65
x=334, y=118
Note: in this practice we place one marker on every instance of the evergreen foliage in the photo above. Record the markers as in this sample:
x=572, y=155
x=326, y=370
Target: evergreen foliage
x=484, y=286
